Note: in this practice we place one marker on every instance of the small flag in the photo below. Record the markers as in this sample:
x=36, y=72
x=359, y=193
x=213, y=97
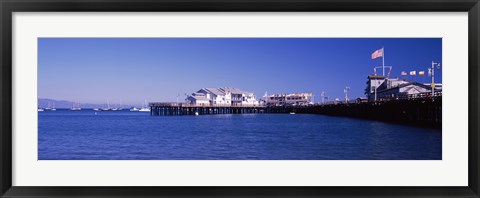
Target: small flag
x=404, y=73
x=429, y=72
x=421, y=73
x=413, y=73
x=378, y=53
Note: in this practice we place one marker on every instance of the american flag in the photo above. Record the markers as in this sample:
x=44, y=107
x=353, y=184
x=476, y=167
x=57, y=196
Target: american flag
x=404, y=73
x=377, y=53
x=413, y=73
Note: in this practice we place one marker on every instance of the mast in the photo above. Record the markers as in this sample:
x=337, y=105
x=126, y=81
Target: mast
x=383, y=60
x=266, y=98
x=433, y=77
x=323, y=97
x=346, y=90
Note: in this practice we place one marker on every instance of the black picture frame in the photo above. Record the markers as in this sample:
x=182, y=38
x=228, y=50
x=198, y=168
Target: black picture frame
x=10, y=6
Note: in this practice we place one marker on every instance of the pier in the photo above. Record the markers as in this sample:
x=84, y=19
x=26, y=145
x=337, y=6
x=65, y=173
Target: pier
x=174, y=109
x=416, y=111
x=423, y=112
x=166, y=109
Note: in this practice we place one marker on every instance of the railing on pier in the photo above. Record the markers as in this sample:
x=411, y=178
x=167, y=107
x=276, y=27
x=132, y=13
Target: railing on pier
x=162, y=108
x=174, y=104
x=420, y=96
x=420, y=109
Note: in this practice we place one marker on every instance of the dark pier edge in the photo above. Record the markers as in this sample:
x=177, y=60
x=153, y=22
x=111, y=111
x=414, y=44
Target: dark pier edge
x=416, y=112
x=9, y=6
x=425, y=112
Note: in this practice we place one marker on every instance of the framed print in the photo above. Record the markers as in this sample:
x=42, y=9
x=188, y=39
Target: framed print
x=239, y=98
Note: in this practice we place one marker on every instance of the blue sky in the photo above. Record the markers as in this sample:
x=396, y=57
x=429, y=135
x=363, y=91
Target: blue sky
x=131, y=70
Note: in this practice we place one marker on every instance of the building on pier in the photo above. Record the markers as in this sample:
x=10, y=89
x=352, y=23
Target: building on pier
x=383, y=88
x=294, y=99
x=198, y=99
x=225, y=96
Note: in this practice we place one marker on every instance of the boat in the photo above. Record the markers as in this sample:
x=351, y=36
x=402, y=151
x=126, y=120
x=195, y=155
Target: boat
x=134, y=109
x=76, y=107
x=196, y=113
x=107, y=108
x=48, y=108
x=96, y=109
x=144, y=109
x=40, y=109
x=292, y=113
x=120, y=108
x=115, y=109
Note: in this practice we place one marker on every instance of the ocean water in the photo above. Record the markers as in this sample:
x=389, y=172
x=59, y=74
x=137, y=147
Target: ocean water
x=124, y=135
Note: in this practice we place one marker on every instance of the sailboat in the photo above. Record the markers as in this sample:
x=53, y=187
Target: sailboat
x=134, y=109
x=120, y=108
x=108, y=107
x=76, y=107
x=48, y=108
x=144, y=108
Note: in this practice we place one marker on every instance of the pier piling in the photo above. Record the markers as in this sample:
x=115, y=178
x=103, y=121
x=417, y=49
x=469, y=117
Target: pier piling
x=421, y=111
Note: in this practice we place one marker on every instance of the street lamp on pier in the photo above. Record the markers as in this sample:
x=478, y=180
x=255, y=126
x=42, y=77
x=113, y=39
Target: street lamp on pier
x=346, y=91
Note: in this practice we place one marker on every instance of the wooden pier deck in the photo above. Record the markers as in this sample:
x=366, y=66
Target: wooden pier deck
x=165, y=109
x=419, y=111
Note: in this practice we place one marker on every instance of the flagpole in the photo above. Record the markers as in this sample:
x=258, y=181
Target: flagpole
x=383, y=60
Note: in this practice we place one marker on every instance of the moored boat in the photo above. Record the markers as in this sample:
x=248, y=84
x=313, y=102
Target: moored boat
x=76, y=107
x=134, y=109
x=106, y=108
x=144, y=109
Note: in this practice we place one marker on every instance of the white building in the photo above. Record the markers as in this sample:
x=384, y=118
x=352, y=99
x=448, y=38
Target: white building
x=216, y=96
x=225, y=96
x=381, y=88
x=198, y=99
x=295, y=99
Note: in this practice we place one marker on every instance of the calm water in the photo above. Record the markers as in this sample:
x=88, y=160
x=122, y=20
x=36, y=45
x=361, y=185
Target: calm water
x=118, y=135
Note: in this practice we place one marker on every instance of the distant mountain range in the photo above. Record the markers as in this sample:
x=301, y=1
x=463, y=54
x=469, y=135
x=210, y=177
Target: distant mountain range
x=63, y=104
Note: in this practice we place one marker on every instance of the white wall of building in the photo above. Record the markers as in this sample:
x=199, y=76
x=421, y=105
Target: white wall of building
x=249, y=99
x=215, y=97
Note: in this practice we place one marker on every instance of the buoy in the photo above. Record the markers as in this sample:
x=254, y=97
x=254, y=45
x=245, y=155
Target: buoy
x=196, y=113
